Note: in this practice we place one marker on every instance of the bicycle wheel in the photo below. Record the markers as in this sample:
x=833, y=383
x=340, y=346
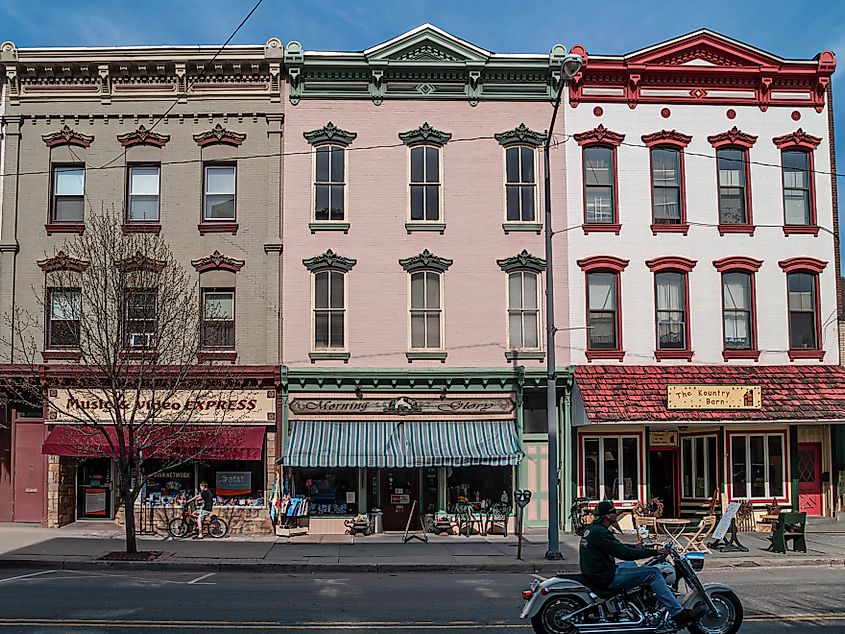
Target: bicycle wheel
x=217, y=527
x=178, y=527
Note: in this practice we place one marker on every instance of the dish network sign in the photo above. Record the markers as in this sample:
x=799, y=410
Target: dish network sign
x=233, y=406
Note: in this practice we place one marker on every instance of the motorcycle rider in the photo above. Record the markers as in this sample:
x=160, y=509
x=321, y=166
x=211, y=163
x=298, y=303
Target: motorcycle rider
x=597, y=552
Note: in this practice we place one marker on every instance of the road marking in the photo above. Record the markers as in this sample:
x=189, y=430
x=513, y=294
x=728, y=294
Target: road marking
x=31, y=574
x=205, y=576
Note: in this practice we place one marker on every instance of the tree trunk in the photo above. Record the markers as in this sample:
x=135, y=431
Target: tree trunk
x=129, y=518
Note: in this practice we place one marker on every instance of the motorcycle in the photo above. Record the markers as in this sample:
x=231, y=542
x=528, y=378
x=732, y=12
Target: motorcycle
x=568, y=604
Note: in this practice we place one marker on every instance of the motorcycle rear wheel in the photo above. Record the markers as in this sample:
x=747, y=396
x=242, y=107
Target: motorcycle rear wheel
x=217, y=527
x=548, y=620
x=729, y=620
x=178, y=527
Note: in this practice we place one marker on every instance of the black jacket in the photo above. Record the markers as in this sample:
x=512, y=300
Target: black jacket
x=597, y=552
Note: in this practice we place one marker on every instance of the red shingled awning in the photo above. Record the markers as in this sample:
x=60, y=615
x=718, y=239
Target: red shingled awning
x=205, y=442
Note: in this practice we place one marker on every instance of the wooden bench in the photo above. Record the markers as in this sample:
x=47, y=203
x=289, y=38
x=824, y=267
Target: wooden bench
x=790, y=527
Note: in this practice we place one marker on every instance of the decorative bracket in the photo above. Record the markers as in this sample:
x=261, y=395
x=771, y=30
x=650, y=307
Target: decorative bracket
x=425, y=134
x=523, y=261
x=217, y=262
x=667, y=137
x=142, y=136
x=68, y=136
x=521, y=134
x=330, y=133
x=799, y=138
x=426, y=260
x=219, y=135
x=599, y=135
x=62, y=262
x=329, y=260
x=140, y=262
x=733, y=137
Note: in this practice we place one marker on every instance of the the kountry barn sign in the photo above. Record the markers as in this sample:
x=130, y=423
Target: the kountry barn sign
x=401, y=405
x=235, y=407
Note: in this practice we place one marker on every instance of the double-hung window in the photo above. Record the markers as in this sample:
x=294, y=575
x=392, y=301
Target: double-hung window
x=426, y=310
x=803, y=311
x=425, y=183
x=523, y=311
x=671, y=317
x=218, y=318
x=520, y=185
x=329, y=183
x=699, y=465
x=141, y=315
x=797, y=191
x=602, y=311
x=599, y=181
x=757, y=466
x=144, y=187
x=219, y=198
x=610, y=468
x=68, y=204
x=738, y=311
x=63, y=317
x=733, y=193
x=666, y=185
x=329, y=310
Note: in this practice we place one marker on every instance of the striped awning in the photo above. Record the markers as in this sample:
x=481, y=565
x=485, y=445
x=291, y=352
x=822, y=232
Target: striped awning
x=401, y=444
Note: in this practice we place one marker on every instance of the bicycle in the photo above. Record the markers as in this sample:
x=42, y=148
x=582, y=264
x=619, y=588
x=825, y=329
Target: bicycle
x=183, y=526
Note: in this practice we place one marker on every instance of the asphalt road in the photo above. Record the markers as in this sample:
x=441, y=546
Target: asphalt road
x=790, y=600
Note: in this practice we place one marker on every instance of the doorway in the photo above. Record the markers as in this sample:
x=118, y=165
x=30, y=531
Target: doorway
x=810, y=478
x=94, y=491
x=29, y=472
x=400, y=488
x=663, y=476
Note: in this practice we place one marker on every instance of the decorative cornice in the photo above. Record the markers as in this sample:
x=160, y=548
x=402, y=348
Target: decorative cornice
x=599, y=135
x=330, y=133
x=799, y=264
x=140, y=262
x=667, y=137
x=603, y=263
x=521, y=134
x=738, y=263
x=143, y=136
x=219, y=135
x=68, y=136
x=799, y=139
x=732, y=138
x=217, y=262
x=425, y=134
x=671, y=263
x=426, y=260
x=522, y=261
x=329, y=260
x=62, y=262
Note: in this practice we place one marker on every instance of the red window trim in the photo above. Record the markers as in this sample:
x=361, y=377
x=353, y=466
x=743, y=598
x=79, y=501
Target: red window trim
x=800, y=140
x=641, y=457
x=748, y=266
x=732, y=138
x=606, y=262
x=671, y=263
x=216, y=226
x=609, y=144
x=737, y=263
x=222, y=352
x=813, y=267
x=662, y=265
x=797, y=139
x=618, y=352
x=67, y=226
x=729, y=485
x=748, y=226
x=673, y=140
x=599, y=136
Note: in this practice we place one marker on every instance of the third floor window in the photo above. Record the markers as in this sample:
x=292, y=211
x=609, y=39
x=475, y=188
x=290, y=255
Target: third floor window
x=797, y=190
x=329, y=182
x=666, y=186
x=144, y=193
x=68, y=203
x=220, y=183
x=425, y=183
x=598, y=185
x=733, y=198
x=520, y=183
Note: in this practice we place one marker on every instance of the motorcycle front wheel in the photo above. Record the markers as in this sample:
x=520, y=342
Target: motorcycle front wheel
x=217, y=527
x=729, y=619
x=550, y=618
x=178, y=527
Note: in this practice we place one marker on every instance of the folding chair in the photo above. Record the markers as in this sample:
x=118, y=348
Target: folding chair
x=649, y=526
x=695, y=539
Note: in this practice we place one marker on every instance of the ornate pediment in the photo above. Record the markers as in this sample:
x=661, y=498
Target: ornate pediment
x=599, y=134
x=140, y=262
x=703, y=48
x=217, y=262
x=143, y=136
x=667, y=137
x=329, y=260
x=330, y=133
x=67, y=136
x=733, y=137
x=521, y=134
x=425, y=134
x=62, y=262
x=522, y=261
x=219, y=135
x=799, y=139
x=427, y=44
x=426, y=260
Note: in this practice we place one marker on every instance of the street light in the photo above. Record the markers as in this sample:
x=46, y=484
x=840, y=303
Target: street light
x=569, y=67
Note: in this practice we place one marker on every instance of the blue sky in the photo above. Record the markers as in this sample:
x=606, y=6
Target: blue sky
x=790, y=28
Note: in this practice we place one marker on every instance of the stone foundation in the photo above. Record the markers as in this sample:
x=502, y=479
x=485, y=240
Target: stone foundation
x=61, y=491
x=241, y=520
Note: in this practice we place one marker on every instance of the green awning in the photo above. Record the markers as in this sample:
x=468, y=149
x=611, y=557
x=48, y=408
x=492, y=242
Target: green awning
x=401, y=444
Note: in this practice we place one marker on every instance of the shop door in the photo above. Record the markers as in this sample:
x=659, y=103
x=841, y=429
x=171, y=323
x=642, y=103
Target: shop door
x=399, y=490
x=810, y=478
x=29, y=472
x=663, y=472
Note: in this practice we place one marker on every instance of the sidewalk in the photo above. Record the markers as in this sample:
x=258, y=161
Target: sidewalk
x=81, y=545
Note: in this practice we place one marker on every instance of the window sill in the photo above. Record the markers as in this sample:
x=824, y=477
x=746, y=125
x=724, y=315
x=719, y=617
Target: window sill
x=660, y=355
x=218, y=227
x=422, y=355
x=65, y=227
x=61, y=355
x=619, y=355
x=812, y=230
x=805, y=354
x=677, y=228
x=602, y=228
x=329, y=355
x=747, y=229
x=533, y=227
x=414, y=225
x=328, y=226
x=141, y=227
x=516, y=355
x=741, y=354
x=217, y=355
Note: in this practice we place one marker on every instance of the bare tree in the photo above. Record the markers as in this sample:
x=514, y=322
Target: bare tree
x=127, y=317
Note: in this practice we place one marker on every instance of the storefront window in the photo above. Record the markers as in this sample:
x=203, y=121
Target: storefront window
x=611, y=468
x=534, y=413
x=490, y=485
x=171, y=486
x=94, y=488
x=698, y=462
x=233, y=482
x=757, y=463
x=329, y=491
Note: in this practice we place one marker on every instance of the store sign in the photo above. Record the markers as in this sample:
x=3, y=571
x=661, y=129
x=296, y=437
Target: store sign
x=233, y=407
x=714, y=397
x=233, y=483
x=401, y=406
x=663, y=439
x=400, y=499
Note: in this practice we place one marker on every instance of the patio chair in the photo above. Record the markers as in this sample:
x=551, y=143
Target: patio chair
x=467, y=518
x=649, y=526
x=790, y=527
x=695, y=539
x=499, y=513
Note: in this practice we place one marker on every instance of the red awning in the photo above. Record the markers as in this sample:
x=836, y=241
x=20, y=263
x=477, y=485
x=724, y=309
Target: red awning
x=196, y=441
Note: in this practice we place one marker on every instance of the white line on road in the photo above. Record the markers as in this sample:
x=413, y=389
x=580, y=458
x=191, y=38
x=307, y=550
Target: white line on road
x=31, y=574
x=205, y=576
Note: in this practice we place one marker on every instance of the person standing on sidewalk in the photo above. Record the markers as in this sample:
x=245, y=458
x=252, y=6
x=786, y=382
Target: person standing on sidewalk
x=205, y=508
x=597, y=552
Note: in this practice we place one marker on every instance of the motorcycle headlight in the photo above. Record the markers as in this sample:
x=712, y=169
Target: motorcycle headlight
x=696, y=560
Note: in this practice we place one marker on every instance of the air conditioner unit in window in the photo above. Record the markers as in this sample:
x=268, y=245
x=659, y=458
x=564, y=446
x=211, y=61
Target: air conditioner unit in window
x=141, y=340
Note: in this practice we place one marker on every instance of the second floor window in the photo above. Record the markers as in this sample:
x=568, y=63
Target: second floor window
x=65, y=310
x=329, y=310
x=666, y=185
x=603, y=322
x=144, y=193
x=520, y=183
x=797, y=187
x=219, y=204
x=425, y=183
x=141, y=314
x=738, y=315
x=426, y=312
x=732, y=186
x=68, y=194
x=598, y=185
x=218, y=318
x=803, y=311
x=329, y=183
x=671, y=311
x=523, y=311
